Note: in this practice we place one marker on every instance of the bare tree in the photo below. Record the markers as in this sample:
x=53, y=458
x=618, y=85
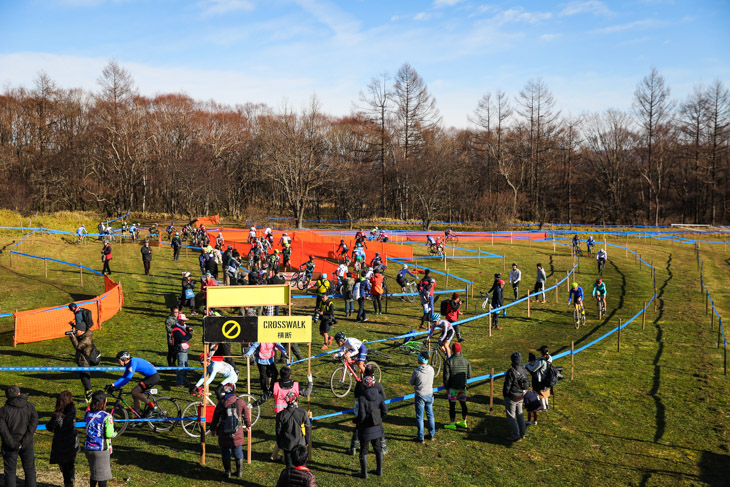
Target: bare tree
x=718, y=121
x=491, y=117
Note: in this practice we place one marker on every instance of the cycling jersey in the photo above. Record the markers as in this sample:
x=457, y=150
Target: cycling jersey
x=600, y=290
x=590, y=242
x=575, y=295
x=308, y=267
x=224, y=368
x=359, y=254
x=355, y=347
x=135, y=364
x=401, y=277
x=445, y=328
x=343, y=248
x=341, y=270
x=284, y=241
x=81, y=230
x=430, y=240
x=376, y=261
x=601, y=255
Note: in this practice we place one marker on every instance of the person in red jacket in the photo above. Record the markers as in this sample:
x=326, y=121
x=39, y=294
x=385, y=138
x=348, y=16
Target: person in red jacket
x=106, y=256
x=453, y=312
x=376, y=291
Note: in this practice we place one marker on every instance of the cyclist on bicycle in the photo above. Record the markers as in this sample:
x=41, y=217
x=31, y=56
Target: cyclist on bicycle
x=358, y=254
x=439, y=245
x=351, y=347
x=447, y=333
x=599, y=291
x=448, y=233
x=286, y=254
x=576, y=297
x=81, y=233
x=374, y=233
x=252, y=234
x=150, y=378
x=402, y=280
x=170, y=228
x=383, y=236
x=215, y=367
x=342, y=249
x=601, y=258
x=590, y=243
x=219, y=242
x=308, y=267
x=576, y=243
x=431, y=242
x=377, y=261
x=274, y=261
x=285, y=240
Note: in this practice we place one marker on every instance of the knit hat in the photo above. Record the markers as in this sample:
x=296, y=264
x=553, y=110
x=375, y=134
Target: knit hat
x=455, y=296
x=369, y=370
x=457, y=347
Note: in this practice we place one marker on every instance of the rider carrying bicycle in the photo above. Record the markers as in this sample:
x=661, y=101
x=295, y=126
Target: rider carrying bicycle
x=590, y=243
x=599, y=291
x=447, y=333
x=576, y=297
x=351, y=347
x=216, y=367
x=150, y=378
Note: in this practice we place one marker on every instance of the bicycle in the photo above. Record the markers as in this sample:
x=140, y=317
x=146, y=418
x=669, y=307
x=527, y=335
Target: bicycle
x=341, y=379
x=193, y=410
x=579, y=315
x=436, y=356
x=301, y=280
x=410, y=290
x=601, y=265
x=163, y=418
x=601, y=306
x=452, y=239
x=487, y=297
x=577, y=251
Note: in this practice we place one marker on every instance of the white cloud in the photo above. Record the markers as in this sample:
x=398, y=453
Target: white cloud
x=519, y=14
x=637, y=24
x=445, y=3
x=550, y=37
x=222, y=7
x=422, y=16
x=594, y=7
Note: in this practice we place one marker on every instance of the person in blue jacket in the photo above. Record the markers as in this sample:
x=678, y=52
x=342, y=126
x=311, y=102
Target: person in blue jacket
x=150, y=378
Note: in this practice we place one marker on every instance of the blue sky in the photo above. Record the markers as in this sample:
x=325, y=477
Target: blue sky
x=591, y=53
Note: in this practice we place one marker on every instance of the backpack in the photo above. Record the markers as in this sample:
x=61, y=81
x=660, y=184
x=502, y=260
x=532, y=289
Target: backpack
x=445, y=307
x=88, y=318
x=552, y=376
x=94, y=357
x=231, y=421
x=532, y=402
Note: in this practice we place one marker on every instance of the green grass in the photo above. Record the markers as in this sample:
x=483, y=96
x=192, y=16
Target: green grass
x=654, y=413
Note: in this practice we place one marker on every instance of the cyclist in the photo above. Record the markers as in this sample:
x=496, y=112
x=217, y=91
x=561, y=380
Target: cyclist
x=274, y=261
x=267, y=232
x=286, y=253
x=447, y=333
x=170, y=228
x=308, y=267
x=599, y=291
x=590, y=243
x=216, y=367
x=350, y=347
x=377, y=261
x=448, y=233
x=576, y=297
x=285, y=240
x=439, y=245
x=133, y=231
x=342, y=249
x=402, y=280
x=341, y=273
x=359, y=238
x=374, y=233
x=219, y=242
x=515, y=276
x=383, y=236
x=601, y=258
x=431, y=243
x=81, y=233
x=252, y=234
x=150, y=378
x=358, y=254
x=576, y=243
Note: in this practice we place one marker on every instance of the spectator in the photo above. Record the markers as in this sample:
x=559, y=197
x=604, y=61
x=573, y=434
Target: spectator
x=98, y=447
x=229, y=430
x=362, y=288
x=348, y=285
x=515, y=276
x=266, y=361
x=544, y=362
x=297, y=475
x=106, y=257
x=82, y=339
x=187, y=297
x=322, y=286
x=146, y=257
x=176, y=244
x=292, y=427
x=359, y=389
x=540, y=283
x=457, y=370
x=207, y=281
x=426, y=290
x=181, y=335
x=497, y=292
x=533, y=367
x=376, y=290
x=370, y=411
x=18, y=422
x=211, y=265
x=422, y=382
x=326, y=315
x=65, y=443
x=170, y=323
x=514, y=388
x=453, y=312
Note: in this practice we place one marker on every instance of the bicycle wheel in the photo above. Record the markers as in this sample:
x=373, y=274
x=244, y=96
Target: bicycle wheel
x=120, y=415
x=341, y=381
x=378, y=374
x=255, y=410
x=435, y=361
x=455, y=240
x=600, y=310
x=410, y=289
x=192, y=426
x=582, y=317
x=165, y=415
x=576, y=317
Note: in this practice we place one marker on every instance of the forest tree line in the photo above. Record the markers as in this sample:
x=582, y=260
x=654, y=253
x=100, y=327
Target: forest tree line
x=521, y=158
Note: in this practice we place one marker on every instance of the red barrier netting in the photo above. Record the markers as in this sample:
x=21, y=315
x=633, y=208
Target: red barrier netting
x=209, y=220
x=47, y=323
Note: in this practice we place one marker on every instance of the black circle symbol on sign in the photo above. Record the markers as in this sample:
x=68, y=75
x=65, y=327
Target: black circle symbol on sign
x=231, y=332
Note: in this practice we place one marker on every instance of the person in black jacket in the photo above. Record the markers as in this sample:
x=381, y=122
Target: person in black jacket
x=297, y=475
x=497, y=292
x=176, y=244
x=359, y=389
x=146, y=257
x=18, y=422
x=370, y=412
x=188, y=283
x=65, y=443
x=292, y=427
x=516, y=383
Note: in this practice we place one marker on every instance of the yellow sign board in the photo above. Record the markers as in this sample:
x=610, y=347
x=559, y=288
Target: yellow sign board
x=285, y=329
x=234, y=296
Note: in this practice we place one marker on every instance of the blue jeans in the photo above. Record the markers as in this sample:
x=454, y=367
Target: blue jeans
x=237, y=452
x=182, y=361
x=426, y=402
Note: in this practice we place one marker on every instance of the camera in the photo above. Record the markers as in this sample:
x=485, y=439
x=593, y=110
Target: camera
x=69, y=333
x=189, y=329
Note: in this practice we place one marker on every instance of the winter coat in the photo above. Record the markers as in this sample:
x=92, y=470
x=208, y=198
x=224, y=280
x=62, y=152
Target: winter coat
x=227, y=440
x=516, y=379
x=170, y=322
x=18, y=421
x=457, y=370
x=296, y=477
x=83, y=346
x=146, y=254
x=289, y=428
x=370, y=412
x=65, y=443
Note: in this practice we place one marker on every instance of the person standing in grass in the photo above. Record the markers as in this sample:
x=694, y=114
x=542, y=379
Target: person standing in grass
x=516, y=383
x=422, y=382
x=540, y=283
x=457, y=370
x=106, y=257
x=65, y=443
x=181, y=335
x=176, y=245
x=187, y=296
x=82, y=339
x=98, y=446
x=229, y=417
x=170, y=323
x=370, y=411
x=497, y=292
x=18, y=422
x=298, y=475
x=146, y=257
x=515, y=276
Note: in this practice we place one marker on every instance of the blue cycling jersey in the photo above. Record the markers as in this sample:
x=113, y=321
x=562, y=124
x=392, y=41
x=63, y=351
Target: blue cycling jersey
x=403, y=273
x=577, y=293
x=135, y=365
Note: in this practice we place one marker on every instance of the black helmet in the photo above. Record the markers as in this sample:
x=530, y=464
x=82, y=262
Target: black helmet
x=497, y=275
x=340, y=336
x=124, y=355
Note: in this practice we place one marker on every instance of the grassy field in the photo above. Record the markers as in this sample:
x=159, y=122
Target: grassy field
x=655, y=413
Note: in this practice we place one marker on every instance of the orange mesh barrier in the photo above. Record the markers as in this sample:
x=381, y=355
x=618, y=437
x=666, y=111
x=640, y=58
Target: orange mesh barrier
x=209, y=220
x=481, y=236
x=47, y=323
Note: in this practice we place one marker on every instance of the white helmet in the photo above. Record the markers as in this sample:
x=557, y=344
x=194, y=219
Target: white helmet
x=324, y=275
x=253, y=228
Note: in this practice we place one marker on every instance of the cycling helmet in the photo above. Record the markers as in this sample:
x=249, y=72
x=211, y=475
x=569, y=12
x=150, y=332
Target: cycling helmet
x=276, y=251
x=84, y=226
x=435, y=316
x=324, y=275
x=340, y=336
x=574, y=285
x=377, y=254
x=311, y=257
x=599, y=280
x=405, y=266
x=202, y=358
x=590, y=237
x=229, y=388
x=220, y=234
x=291, y=397
x=124, y=355
x=342, y=241
x=285, y=235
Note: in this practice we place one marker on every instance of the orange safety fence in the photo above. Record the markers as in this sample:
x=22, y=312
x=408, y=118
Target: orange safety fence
x=475, y=236
x=209, y=220
x=48, y=323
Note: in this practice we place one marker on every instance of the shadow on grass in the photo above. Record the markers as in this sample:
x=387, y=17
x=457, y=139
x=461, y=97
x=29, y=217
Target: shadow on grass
x=714, y=468
x=661, y=421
